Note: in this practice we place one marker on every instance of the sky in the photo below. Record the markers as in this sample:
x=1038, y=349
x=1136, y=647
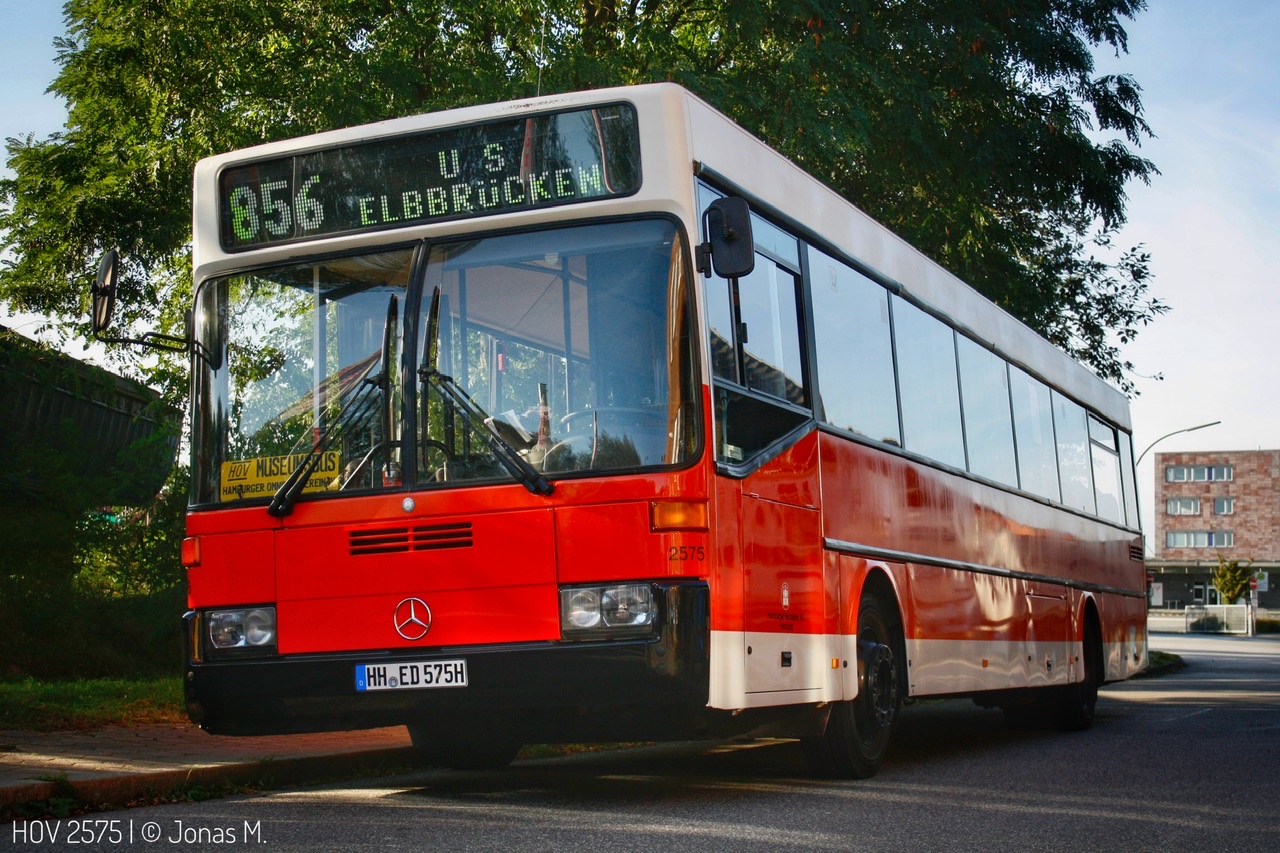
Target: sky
x=1210, y=75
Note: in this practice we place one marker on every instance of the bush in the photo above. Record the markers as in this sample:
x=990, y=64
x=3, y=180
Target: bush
x=1206, y=624
x=134, y=551
x=81, y=636
x=99, y=594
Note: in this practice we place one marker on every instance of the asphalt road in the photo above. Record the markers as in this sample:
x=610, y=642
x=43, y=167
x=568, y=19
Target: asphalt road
x=1185, y=762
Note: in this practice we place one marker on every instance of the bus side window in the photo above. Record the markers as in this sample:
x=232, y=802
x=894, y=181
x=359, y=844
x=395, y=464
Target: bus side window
x=767, y=355
x=1129, y=481
x=988, y=420
x=1106, y=470
x=1033, y=433
x=1074, y=465
x=755, y=342
x=928, y=384
x=769, y=334
x=854, y=350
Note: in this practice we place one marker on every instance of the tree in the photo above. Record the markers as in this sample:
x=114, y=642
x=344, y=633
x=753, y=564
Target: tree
x=1231, y=579
x=966, y=126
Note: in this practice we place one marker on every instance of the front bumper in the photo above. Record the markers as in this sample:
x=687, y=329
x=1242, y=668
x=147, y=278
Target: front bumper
x=646, y=689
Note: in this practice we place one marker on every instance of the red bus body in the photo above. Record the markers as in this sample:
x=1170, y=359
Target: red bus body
x=758, y=568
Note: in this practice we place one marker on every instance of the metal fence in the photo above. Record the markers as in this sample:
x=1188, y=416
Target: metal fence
x=1217, y=619
x=1202, y=619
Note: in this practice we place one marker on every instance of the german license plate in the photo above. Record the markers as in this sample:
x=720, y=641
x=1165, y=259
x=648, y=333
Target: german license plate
x=411, y=675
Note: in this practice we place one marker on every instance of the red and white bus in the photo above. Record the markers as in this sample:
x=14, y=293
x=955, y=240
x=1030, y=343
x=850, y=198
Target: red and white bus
x=591, y=417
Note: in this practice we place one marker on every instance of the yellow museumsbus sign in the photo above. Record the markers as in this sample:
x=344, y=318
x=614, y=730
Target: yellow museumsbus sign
x=263, y=477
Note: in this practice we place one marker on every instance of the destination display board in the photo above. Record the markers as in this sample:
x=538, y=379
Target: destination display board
x=476, y=170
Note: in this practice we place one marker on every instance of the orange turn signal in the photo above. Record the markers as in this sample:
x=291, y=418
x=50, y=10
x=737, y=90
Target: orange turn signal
x=191, y=551
x=678, y=515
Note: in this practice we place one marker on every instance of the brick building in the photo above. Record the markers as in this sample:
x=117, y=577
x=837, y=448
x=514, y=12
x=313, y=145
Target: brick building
x=1208, y=505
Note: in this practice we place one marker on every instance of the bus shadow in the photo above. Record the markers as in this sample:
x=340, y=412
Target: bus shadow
x=930, y=734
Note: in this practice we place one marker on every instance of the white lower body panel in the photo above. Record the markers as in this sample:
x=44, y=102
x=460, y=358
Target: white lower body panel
x=938, y=667
x=759, y=670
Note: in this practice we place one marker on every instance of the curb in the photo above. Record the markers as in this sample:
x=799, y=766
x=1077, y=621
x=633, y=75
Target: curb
x=114, y=792
x=1163, y=669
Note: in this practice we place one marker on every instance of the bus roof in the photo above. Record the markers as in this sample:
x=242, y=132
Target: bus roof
x=680, y=131
x=746, y=163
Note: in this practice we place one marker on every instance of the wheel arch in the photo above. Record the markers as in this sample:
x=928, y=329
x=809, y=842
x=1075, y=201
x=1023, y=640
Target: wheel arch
x=1089, y=636
x=880, y=582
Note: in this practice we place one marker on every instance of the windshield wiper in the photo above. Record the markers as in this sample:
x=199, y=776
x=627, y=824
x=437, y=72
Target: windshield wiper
x=356, y=406
x=516, y=465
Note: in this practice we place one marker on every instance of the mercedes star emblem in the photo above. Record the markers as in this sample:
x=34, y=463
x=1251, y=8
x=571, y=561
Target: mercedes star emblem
x=412, y=619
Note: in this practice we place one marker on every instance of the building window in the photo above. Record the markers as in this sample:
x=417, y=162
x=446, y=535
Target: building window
x=1182, y=506
x=1199, y=539
x=1198, y=473
x=1224, y=506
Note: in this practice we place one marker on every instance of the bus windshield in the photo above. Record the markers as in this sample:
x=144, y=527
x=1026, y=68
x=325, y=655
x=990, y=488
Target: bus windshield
x=532, y=356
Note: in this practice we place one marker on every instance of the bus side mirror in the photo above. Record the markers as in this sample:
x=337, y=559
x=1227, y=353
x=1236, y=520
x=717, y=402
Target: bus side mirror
x=730, y=248
x=104, y=291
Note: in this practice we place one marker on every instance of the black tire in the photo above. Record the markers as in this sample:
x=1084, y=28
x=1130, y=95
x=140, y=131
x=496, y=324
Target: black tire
x=859, y=732
x=463, y=752
x=1078, y=702
x=1069, y=708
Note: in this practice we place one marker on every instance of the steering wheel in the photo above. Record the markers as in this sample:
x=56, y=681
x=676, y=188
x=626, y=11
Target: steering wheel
x=572, y=454
x=611, y=410
x=429, y=444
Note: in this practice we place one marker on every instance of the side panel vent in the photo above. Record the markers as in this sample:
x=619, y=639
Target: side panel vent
x=422, y=537
x=1135, y=552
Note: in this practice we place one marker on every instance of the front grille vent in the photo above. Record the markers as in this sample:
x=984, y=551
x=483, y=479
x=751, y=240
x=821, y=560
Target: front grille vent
x=422, y=537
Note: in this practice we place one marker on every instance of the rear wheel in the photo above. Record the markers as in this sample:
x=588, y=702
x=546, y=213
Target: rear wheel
x=1078, y=702
x=463, y=752
x=858, y=732
x=1069, y=708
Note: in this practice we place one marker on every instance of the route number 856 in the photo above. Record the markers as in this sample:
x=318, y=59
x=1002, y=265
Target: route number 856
x=271, y=207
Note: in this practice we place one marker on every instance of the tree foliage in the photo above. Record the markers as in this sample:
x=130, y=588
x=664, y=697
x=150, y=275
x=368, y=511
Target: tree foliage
x=975, y=128
x=1231, y=579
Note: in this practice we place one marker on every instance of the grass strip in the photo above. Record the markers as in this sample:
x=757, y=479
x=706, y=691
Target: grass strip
x=45, y=706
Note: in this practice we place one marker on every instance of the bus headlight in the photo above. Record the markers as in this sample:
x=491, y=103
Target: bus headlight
x=249, y=628
x=606, y=611
x=579, y=609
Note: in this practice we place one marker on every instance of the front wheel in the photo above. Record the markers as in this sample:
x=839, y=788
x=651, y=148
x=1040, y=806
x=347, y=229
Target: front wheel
x=858, y=732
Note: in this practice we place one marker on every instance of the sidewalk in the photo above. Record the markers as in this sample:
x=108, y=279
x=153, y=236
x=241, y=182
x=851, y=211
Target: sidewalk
x=115, y=766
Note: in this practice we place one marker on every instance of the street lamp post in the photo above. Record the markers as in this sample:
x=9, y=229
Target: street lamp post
x=1175, y=432
x=1147, y=541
